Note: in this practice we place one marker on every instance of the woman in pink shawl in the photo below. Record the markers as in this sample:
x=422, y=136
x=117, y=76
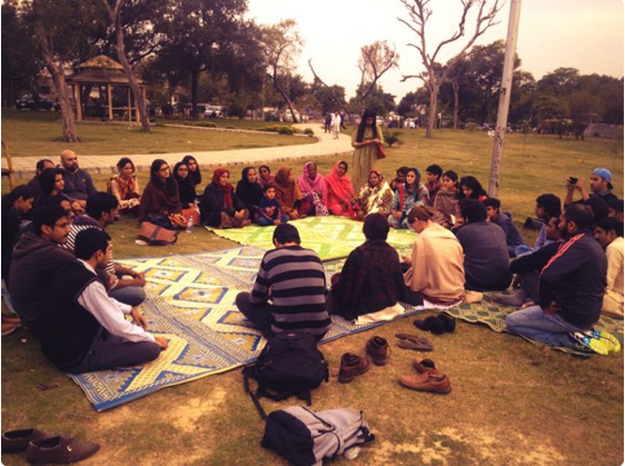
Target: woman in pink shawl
x=341, y=196
x=313, y=184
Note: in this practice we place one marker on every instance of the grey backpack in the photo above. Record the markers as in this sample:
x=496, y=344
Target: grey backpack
x=305, y=437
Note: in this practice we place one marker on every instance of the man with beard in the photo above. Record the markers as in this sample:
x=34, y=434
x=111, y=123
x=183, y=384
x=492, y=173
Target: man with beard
x=571, y=288
x=78, y=183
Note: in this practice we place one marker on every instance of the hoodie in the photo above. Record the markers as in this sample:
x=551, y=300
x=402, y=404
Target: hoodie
x=34, y=264
x=513, y=237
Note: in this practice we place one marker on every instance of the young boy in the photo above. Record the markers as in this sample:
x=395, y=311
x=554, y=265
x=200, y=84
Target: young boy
x=269, y=212
x=504, y=220
x=433, y=175
x=400, y=177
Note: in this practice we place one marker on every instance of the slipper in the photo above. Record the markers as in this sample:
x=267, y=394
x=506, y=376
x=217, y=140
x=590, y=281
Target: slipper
x=417, y=345
x=449, y=321
x=407, y=336
x=598, y=345
x=431, y=324
x=613, y=344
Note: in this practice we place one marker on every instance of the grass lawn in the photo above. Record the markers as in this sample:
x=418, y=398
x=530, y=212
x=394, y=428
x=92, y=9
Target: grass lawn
x=512, y=402
x=34, y=134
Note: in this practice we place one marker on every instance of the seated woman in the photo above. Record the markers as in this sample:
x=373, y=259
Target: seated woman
x=371, y=279
x=194, y=170
x=160, y=202
x=52, y=183
x=436, y=270
x=289, y=196
x=186, y=187
x=249, y=191
x=446, y=202
x=375, y=197
x=265, y=176
x=220, y=206
x=471, y=188
x=311, y=183
x=408, y=195
x=341, y=196
x=125, y=187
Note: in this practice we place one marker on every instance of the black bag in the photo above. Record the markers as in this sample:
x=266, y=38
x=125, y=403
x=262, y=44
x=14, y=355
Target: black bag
x=289, y=365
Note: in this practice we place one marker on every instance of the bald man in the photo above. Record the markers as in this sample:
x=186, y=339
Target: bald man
x=78, y=183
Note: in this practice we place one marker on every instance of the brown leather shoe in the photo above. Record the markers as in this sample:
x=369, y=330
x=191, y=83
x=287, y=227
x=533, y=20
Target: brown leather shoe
x=378, y=349
x=351, y=366
x=422, y=365
x=17, y=440
x=61, y=449
x=427, y=382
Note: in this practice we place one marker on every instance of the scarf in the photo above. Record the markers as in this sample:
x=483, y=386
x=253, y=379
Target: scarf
x=287, y=191
x=226, y=190
x=249, y=193
x=340, y=186
x=308, y=186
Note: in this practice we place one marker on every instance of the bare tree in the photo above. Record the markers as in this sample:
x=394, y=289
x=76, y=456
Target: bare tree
x=115, y=15
x=375, y=60
x=283, y=44
x=419, y=14
x=339, y=101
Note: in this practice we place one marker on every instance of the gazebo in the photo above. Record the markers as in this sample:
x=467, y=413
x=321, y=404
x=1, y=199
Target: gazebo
x=101, y=90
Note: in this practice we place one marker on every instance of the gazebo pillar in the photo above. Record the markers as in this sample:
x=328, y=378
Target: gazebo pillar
x=78, y=102
x=109, y=93
x=129, y=104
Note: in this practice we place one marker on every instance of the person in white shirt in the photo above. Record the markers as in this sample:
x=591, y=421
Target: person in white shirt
x=609, y=234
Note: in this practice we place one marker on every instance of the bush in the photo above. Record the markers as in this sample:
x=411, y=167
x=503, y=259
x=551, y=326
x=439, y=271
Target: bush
x=471, y=127
x=392, y=138
x=286, y=130
x=309, y=132
x=207, y=124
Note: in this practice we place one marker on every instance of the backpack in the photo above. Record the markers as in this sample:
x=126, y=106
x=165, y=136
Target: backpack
x=305, y=437
x=289, y=365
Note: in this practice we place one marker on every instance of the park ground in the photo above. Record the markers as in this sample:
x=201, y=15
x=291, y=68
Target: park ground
x=512, y=402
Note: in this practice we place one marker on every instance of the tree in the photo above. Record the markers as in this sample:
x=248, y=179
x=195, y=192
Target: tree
x=330, y=98
x=115, y=16
x=337, y=93
x=375, y=60
x=376, y=100
x=282, y=43
x=418, y=15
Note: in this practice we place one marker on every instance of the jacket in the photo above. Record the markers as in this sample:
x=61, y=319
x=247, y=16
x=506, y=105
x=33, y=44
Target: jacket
x=212, y=205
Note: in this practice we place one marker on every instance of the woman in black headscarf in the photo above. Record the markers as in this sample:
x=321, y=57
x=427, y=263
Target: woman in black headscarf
x=249, y=191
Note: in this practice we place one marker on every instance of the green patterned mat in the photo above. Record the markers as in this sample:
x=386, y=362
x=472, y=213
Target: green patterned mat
x=330, y=237
x=494, y=316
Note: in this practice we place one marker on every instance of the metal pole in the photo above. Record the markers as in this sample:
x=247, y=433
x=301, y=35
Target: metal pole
x=504, y=97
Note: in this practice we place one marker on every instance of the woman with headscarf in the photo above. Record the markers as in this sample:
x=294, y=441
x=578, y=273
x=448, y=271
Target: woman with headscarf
x=371, y=280
x=341, y=196
x=311, y=183
x=249, y=191
x=194, y=169
x=186, y=188
x=125, y=186
x=291, y=200
x=220, y=206
x=265, y=176
x=408, y=195
x=160, y=197
x=365, y=139
x=376, y=196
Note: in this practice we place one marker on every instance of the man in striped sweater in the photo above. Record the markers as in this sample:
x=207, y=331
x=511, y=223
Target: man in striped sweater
x=293, y=278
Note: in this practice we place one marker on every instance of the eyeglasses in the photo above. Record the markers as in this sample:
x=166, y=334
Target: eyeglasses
x=165, y=169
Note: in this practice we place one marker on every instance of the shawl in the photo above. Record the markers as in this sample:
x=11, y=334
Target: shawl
x=373, y=199
x=287, y=191
x=340, y=186
x=262, y=182
x=226, y=190
x=308, y=186
x=186, y=188
x=249, y=193
x=156, y=199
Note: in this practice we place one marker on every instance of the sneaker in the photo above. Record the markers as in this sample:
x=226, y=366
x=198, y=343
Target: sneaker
x=427, y=382
x=378, y=349
x=351, y=366
x=598, y=345
x=613, y=344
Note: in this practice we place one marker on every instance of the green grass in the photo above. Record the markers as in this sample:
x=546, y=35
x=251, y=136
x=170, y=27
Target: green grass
x=512, y=402
x=39, y=134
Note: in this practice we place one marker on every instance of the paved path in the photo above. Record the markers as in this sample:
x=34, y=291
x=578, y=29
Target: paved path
x=326, y=146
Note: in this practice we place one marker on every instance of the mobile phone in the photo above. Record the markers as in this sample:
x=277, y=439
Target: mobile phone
x=572, y=180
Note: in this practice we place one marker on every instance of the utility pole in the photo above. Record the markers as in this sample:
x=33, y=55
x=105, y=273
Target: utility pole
x=504, y=97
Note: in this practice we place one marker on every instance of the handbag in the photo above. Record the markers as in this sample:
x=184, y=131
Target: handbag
x=182, y=219
x=155, y=235
x=381, y=152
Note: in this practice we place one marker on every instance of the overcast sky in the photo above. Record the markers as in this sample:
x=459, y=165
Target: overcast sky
x=582, y=34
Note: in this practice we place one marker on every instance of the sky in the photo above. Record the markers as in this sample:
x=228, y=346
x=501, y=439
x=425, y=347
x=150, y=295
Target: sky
x=583, y=34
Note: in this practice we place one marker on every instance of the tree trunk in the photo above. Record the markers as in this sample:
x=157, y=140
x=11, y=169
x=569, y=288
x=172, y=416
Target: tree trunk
x=432, y=114
x=285, y=97
x=134, y=86
x=195, y=83
x=456, y=88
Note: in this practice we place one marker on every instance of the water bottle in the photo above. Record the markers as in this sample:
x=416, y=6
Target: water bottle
x=190, y=223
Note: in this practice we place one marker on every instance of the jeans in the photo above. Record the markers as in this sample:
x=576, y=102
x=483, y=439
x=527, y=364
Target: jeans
x=533, y=323
x=131, y=295
x=260, y=315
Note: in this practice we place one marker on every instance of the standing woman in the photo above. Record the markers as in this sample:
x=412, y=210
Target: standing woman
x=249, y=191
x=408, y=195
x=125, y=186
x=194, y=169
x=220, y=206
x=341, y=196
x=291, y=200
x=364, y=141
x=161, y=199
x=311, y=183
x=186, y=187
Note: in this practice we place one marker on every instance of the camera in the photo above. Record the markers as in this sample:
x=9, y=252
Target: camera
x=572, y=180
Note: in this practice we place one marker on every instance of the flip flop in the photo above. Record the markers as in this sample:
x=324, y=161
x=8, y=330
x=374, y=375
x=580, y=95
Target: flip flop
x=417, y=345
x=598, y=345
x=613, y=344
x=407, y=336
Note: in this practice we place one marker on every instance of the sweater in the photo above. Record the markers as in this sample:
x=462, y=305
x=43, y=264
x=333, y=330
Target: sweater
x=78, y=185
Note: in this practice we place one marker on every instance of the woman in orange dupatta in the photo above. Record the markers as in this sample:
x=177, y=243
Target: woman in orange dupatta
x=341, y=196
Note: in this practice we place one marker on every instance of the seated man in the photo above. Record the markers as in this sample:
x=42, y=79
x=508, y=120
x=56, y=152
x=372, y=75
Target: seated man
x=572, y=285
x=609, y=233
x=486, y=263
x=42, y=165
x=36, y=259
x=78, y=183
x=615, y=209
x=371, y=279
x=600, y=186
x=548, y=206
x=80, y=327
x=504, y=220
x=293, y=278
x=102, y=208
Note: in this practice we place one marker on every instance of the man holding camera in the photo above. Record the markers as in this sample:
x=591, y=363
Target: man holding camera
x=600, y=186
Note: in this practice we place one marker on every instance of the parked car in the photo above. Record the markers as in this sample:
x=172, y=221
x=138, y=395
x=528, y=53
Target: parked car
x=288, y=116
x=35, y=102
x=213, y=111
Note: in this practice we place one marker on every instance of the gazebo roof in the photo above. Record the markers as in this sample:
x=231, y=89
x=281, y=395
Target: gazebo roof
x=101, y=62
x=100, y=70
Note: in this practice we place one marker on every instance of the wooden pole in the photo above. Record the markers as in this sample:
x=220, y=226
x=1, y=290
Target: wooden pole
x=109, y=96
x=504, y=97
x=78, y=103
x=129, y=104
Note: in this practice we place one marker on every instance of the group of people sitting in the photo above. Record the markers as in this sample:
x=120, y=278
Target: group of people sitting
x=61, y=261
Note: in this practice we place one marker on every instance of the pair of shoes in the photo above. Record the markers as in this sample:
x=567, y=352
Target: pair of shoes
x=437, y=324
x=598, y=341
x=351, y=366
x=427, y=379
x=378, y=349
x=42, y=449
x=413, y=342
x=8, y=329
x=517, y=299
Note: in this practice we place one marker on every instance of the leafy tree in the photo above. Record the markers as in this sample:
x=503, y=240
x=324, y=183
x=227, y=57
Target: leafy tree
x=329, y=99
x=377, y=100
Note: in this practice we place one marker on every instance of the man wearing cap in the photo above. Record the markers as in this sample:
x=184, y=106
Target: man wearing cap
x=600, y=186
